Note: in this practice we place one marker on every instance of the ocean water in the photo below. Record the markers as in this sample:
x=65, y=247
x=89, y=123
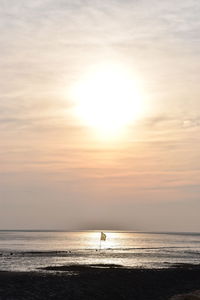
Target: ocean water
x=30, y=250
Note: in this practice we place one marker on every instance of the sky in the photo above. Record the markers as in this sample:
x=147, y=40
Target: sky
x=56, y=172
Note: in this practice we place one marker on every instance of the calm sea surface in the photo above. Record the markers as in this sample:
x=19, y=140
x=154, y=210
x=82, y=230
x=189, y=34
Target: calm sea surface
x=28, y=250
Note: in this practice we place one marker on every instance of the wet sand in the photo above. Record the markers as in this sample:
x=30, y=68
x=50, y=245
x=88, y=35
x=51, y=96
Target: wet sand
x=100, y=282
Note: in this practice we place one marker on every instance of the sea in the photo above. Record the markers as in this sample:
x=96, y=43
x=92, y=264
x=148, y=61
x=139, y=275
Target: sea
x=32, y=250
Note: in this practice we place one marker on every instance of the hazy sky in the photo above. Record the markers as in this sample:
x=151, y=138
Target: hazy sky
x=55, y=172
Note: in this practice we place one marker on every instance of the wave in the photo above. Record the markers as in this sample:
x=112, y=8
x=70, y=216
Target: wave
x=46, y=253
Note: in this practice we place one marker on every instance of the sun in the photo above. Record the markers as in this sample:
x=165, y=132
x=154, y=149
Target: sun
x=107, y=98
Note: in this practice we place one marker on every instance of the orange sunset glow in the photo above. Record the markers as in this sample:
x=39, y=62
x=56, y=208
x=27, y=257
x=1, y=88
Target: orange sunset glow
x=99, y=149
x=99, y=118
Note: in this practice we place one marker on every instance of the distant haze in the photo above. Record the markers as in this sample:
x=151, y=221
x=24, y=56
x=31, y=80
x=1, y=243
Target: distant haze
x=55, y=172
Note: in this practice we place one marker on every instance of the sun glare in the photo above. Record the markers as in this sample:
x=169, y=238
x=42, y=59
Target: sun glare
x=107, y=99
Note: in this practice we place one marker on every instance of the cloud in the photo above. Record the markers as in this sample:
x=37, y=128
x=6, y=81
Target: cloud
x=46, y=154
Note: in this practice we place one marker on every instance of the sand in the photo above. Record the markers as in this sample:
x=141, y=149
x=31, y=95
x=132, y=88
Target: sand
x=101, y=282
x=190, y=296
x=194, y=295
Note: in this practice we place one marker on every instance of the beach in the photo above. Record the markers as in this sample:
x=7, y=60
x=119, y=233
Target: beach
x=101, y=282
x=99, y=149
x=66, y=265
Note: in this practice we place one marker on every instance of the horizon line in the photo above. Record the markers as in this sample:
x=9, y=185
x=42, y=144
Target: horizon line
x=103, y=229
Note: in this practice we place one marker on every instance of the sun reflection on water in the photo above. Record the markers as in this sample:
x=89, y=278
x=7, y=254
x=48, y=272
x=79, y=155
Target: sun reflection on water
x=114, y=240
x=31, y=250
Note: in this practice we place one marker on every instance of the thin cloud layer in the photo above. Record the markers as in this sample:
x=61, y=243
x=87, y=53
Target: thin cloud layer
x=49, y=159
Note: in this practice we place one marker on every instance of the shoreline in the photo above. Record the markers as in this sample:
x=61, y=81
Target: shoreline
x=97, y=282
